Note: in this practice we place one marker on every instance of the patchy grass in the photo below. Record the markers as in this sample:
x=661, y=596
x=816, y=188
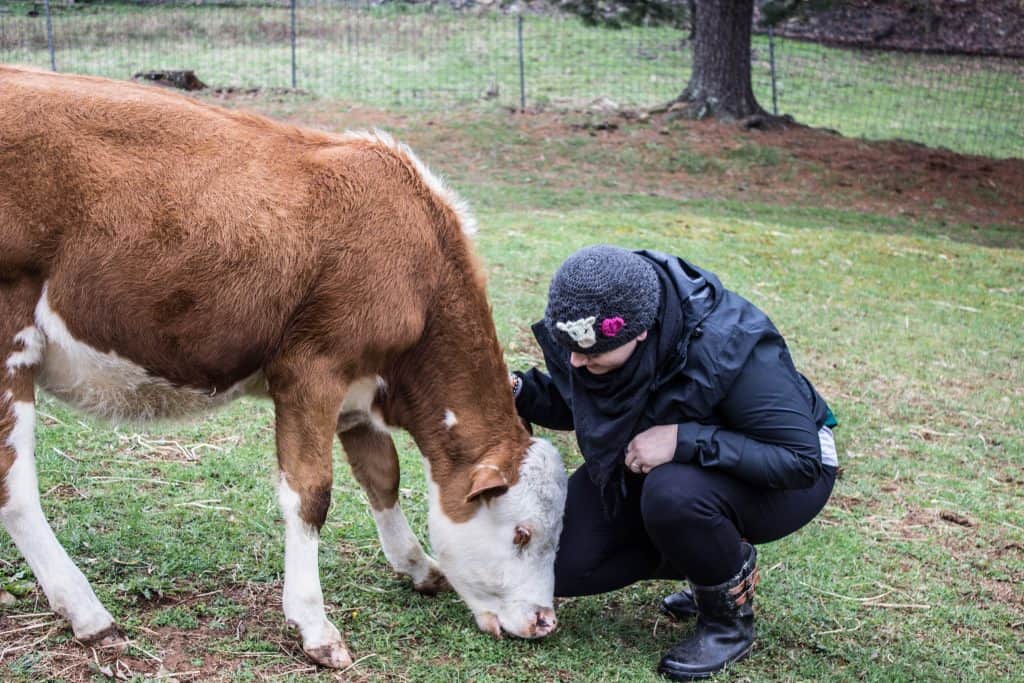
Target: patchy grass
x=906, y=315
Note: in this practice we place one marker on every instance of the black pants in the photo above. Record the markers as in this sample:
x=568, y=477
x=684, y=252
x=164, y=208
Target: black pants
x=679, y=521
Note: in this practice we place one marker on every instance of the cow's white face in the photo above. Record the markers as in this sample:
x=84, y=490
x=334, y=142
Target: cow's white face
x=502, y=561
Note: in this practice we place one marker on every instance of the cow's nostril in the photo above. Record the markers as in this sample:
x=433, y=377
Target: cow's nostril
x=545, y=620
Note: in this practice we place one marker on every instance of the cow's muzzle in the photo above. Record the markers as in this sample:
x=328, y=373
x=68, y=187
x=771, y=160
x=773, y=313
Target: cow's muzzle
x=541, y=623
x=544, y=623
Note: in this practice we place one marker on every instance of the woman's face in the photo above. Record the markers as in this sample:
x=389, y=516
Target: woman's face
x=602, y=363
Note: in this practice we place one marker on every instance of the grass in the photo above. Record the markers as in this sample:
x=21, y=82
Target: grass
x=909, y=326
x=429, y=57
x=970, y=104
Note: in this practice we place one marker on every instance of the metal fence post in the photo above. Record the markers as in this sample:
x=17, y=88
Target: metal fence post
x=293, y=46
x=771, y=62
x=49, y=35
x=522, y=70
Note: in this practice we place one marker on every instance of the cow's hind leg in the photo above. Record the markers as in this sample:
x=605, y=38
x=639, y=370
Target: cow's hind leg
x=305, y=421
x=374, y=461
x=67, y=590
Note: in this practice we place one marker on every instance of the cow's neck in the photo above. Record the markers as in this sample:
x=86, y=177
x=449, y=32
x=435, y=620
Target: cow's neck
x=452, y=394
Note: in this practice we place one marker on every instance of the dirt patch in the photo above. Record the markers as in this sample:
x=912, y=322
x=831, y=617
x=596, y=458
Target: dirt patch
x=912, y=178
x=850, y=503
x=1011, y=549
x=893, y=178
x=629, y=153
x=253, y=636
x=915, y=524
x=1006, y=592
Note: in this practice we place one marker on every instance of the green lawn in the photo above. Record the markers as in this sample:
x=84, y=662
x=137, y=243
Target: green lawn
x=417, y=58
x=910, y=327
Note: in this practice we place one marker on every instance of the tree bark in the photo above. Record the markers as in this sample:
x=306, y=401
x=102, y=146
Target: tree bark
x=720, y=82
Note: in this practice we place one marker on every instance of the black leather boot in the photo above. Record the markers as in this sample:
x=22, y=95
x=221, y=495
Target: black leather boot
x=725, y=626
x=679, y=605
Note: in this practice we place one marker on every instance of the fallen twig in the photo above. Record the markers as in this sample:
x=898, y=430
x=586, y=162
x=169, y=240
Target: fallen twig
x=847, y=597
x=355, y=663
x=175, y=674
x=838, y=630
x=30, y=627
x=203, y=505
x=133, y=644
x=897, y=605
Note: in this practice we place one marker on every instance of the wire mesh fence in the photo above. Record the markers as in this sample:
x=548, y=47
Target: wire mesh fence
x=966, y=103
x=397, y=55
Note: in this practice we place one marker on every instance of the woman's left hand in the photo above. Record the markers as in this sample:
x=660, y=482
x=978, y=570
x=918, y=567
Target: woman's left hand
x=650, y=448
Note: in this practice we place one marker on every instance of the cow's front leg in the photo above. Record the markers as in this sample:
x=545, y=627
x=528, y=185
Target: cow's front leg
x=305, y=429
x=374, y=460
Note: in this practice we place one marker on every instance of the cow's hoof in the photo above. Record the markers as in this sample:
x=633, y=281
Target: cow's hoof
x=331, y=655
x=110, y=640
x=434, y=583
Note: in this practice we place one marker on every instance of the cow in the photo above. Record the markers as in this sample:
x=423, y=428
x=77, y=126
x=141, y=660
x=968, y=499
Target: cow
x=161, y=256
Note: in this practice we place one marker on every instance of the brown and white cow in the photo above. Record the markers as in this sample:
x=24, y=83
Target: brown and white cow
x=160, y=256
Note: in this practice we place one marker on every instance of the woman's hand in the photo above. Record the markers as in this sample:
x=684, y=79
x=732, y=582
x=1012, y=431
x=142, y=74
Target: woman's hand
x=650, y=448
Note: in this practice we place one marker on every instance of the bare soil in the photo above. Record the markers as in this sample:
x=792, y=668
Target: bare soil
x=213, y=651
x=815, y=168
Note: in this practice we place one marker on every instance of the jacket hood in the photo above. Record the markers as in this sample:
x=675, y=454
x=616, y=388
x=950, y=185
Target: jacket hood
x=699, y=292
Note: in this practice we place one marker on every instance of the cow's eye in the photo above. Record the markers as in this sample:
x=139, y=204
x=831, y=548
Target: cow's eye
x=522, y=536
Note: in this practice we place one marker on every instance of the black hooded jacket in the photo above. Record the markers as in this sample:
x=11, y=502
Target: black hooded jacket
x=724, y=376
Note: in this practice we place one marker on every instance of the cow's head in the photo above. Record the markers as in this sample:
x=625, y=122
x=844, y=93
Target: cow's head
x=501, y=559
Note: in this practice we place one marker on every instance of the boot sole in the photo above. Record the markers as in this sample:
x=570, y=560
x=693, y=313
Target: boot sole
x=701, y=675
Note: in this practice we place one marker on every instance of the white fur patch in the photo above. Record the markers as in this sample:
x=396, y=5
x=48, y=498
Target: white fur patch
x=303, y=599
x=436, y=184
x=449, y=419
x=31, y=352
x=65, y=587
x=401, y=546
x=357, y=407
x=109, y=386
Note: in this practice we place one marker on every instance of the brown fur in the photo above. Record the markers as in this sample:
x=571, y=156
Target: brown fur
x=17, y=301
x=6, y=452
x=374, y=461
x=205, y=245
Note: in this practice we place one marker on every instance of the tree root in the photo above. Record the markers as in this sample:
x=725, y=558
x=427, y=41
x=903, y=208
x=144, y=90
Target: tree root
x=766, y=121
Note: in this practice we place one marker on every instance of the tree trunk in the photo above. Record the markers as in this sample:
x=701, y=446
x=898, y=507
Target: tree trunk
x=720, y=82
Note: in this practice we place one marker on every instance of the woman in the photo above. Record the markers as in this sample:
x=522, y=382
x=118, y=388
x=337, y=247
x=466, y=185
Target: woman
x=699, y=437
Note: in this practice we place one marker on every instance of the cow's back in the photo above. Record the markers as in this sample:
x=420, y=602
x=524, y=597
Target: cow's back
x=167, y=230
x=88, y=159
x=182, y=236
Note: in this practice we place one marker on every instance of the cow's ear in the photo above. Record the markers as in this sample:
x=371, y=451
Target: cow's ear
x=487, y=481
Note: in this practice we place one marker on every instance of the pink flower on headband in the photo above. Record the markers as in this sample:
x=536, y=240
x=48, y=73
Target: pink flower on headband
x=611, y=326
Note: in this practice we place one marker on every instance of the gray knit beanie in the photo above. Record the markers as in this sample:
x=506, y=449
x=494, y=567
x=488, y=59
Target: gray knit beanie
x=601, y=298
